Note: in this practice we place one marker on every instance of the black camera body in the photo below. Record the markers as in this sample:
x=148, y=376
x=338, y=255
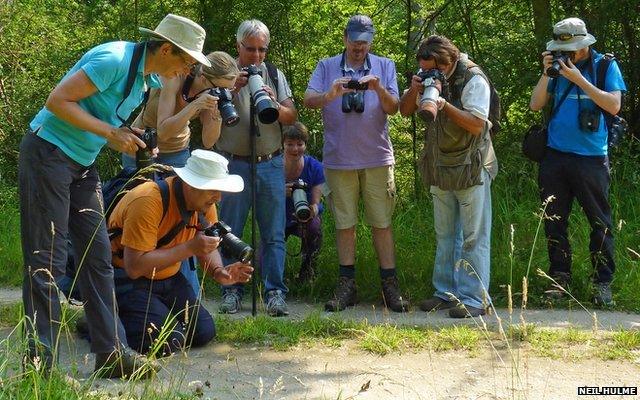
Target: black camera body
x=589, y=120
x=354, y=84
x=267, y=112
x=230, y=245
x=300, y=201
x=430, y=75
x=144, y=156
x=554, y=70
x=225, y=105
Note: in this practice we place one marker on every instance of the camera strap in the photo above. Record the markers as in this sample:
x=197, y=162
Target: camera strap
x=138, y=51
x=343, y=64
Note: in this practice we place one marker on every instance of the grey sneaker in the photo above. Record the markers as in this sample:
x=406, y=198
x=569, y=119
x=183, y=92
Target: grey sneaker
x=276, y=306
x=124, y=363
x=603, y=296
x=231, y=302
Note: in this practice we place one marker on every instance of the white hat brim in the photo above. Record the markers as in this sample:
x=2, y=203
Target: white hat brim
x=571, y=45
x=231, y=183
x=198, y=56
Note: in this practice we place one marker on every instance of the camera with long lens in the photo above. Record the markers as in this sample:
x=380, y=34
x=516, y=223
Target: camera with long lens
x=230, y=245
x=617, y=129
x=554, y=70
x=432, y=81
x=300, y=202
x=144, y=156
x=267, y=112
x=353, y=101
x=225, y=105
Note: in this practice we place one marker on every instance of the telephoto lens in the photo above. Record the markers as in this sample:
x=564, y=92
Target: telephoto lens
x=225, y=105
x=266, y=110
x=144, y=156
x=300, y=202
x=432, y=83
x=230, y=245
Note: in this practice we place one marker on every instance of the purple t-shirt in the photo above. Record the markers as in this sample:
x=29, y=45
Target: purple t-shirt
x=355, y=140
x=313, y=175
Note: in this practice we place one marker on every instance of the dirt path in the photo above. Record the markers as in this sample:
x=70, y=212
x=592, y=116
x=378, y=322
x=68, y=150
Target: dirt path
x=324, y=372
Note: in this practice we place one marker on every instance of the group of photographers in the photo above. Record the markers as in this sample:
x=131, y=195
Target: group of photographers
x=157, y=227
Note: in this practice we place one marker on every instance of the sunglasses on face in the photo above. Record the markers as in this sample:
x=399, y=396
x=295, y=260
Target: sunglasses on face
x=566, y=36
x=250, y=49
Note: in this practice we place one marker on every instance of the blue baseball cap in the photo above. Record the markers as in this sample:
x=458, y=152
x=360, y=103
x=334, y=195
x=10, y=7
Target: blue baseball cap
x=360, y=28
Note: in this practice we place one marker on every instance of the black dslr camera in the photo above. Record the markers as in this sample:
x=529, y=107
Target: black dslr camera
x=554, y=70
x=230, y=245
x=144, y=156
x=300, y=202
x=227, y=110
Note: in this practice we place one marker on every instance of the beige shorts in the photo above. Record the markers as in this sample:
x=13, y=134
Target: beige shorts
x=377, y=187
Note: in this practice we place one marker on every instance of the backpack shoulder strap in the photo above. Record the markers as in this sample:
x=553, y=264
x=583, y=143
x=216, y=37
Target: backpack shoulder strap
x=272, y=70
x=138, y=50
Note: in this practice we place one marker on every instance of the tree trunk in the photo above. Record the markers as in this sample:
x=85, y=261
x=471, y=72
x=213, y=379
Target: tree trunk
x=541, y=21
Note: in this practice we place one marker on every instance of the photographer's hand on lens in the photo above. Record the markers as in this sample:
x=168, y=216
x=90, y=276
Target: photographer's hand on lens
x=201, y=245
x=271, y=94
x=241, y=81
x=571, y=72
x=441, y=102
x=126, y=140
x=416, y=84
x=233, y=273
x=204, y=101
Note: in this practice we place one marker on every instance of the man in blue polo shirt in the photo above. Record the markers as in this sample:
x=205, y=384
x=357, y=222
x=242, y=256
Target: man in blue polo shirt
x=60, y=193
x=576, y=164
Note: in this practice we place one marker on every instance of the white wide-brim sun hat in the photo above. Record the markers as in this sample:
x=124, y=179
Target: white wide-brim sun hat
x=207, y=170
x=183, y=33
x=576, y=29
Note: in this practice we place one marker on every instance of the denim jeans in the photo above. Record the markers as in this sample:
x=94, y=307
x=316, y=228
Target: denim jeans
x=462, y=220
x=61, y=200
x=270, y=216
x=176, y=159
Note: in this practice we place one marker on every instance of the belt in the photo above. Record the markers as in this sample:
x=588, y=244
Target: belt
x=265, y=157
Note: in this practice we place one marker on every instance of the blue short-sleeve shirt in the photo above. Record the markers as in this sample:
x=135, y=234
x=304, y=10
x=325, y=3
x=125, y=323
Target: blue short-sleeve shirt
x=107, y=66
x=564, y=129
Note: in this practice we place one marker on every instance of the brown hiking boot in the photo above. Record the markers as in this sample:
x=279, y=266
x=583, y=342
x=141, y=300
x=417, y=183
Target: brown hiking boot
x=465, y=311
x=391, y=296
x=124, y=363
x=344, y=296
x=435, y=303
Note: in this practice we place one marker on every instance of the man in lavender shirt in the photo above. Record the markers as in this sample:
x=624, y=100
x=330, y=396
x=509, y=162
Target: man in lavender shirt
x=358, y=155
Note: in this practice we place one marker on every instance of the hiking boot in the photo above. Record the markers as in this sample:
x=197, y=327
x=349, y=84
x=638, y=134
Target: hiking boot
x=344, y=296
x=391, y=296
x=307, y=273
x=276, y=306
x=465, y=311
x=124, y=363
x=435, y=303
x=603, y=296
x=231, y=302
x=558, y=290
